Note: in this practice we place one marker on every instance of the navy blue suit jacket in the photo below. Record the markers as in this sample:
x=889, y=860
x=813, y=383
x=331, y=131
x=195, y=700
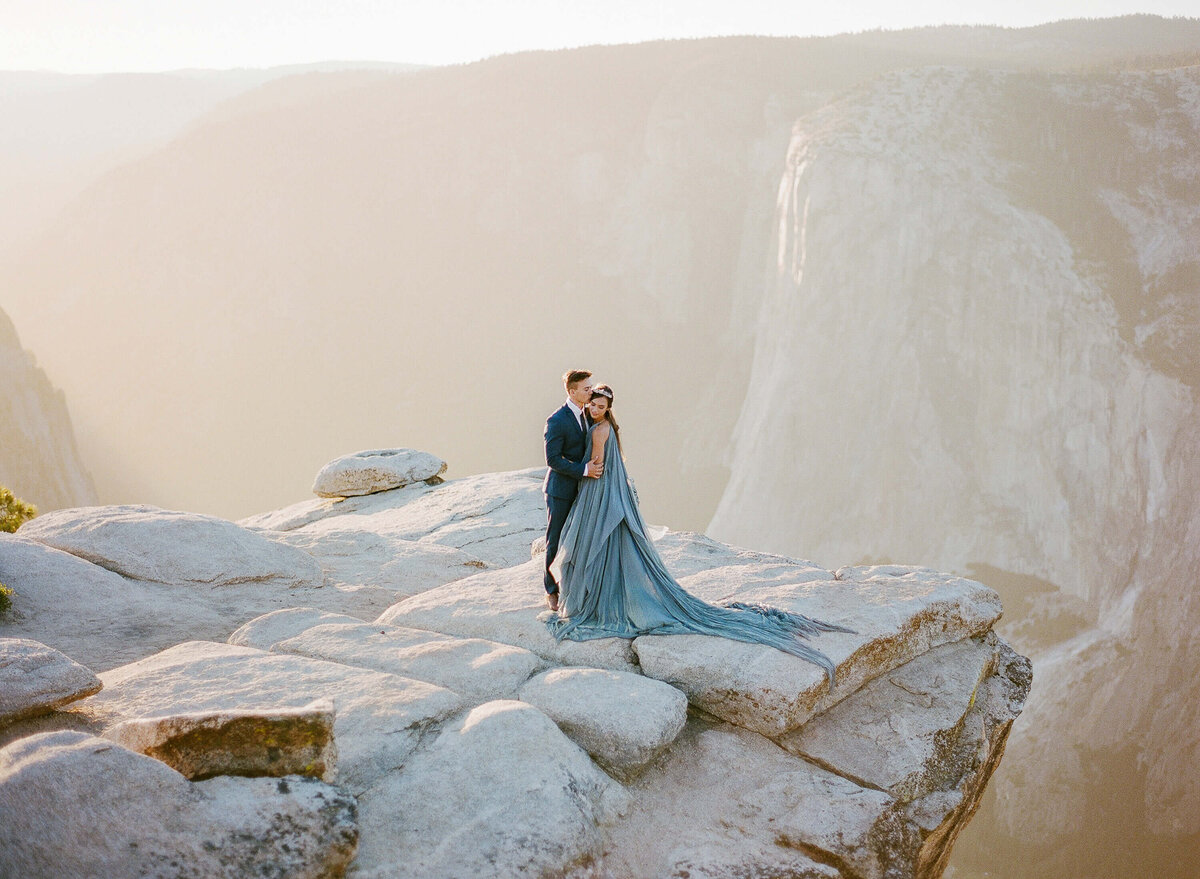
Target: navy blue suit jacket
x=565, y=444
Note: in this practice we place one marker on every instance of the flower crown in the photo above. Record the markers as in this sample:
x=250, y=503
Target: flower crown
x=602, y=391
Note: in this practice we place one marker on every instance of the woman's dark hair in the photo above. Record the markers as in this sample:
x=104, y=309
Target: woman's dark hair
x=607, y=393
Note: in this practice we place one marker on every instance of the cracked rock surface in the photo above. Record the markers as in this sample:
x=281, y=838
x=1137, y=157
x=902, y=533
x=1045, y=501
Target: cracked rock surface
x=473, y=744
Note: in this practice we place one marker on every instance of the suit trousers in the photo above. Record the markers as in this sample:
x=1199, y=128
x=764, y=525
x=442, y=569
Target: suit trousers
x=557, y=509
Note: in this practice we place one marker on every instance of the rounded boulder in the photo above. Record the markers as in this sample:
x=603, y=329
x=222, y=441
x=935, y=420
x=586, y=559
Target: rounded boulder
x=376, y=470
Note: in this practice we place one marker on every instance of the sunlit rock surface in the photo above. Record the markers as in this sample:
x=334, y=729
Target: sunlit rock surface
x=623, y=720
x=176, y=549
x=471, y=666
x=36, y=679
x=249, y=742
x=380, y=717
x=374, y=471
x=152, y=578
x=501, y=792
x=76, y=805
x=279, y=625
x=476, y=745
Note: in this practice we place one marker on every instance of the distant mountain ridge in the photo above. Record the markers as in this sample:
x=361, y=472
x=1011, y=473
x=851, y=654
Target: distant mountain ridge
x=61, y=131
x=641, y=177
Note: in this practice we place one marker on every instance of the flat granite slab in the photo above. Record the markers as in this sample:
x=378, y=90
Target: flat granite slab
x=899, y=732
x=248, y=742
x=504, y=606
x=479, y=669
x=166, y=546
x=897, y=613
x=379, y=716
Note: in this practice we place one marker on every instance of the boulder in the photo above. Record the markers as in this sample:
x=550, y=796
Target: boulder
x=623, y=720
x=897, y=614
x=491, y=517
x=502, y=792
x=104, y=620
x=279, y=625
x=504, y=606
x=476, y=668
x=943, y=814
x=901, y=732
x=35, y=679
x=374, y=471
x=380, y=717
x=897, y=755
x=75, y=805
x=199, y=745
x=125, y=619
x=180, y=549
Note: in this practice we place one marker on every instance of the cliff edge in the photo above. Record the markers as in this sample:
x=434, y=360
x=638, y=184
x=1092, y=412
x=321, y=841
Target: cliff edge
x=469, y=742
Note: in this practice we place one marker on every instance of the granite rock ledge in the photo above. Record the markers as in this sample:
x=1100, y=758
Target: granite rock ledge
x=414, y=612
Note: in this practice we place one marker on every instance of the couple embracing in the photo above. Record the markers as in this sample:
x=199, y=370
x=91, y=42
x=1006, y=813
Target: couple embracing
x=603, y=576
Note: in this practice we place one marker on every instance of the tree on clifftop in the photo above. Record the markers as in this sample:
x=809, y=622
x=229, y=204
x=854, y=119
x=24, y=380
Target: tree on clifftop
x=14, y=511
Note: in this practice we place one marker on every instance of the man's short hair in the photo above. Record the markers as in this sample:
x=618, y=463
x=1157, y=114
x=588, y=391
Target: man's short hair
x=575, y=376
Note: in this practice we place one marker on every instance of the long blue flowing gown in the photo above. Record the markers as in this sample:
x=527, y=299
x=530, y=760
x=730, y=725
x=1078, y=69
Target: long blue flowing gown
x=613, y=582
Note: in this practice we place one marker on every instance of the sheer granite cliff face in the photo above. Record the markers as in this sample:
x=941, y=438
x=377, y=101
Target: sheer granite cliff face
x=38, y=459
x=1018, y=256
x=472, y=743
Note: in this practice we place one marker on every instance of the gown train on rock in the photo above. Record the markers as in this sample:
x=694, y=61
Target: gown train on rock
x=613, y=583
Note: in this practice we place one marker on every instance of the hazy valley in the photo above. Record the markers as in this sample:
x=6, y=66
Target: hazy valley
x=930, y=297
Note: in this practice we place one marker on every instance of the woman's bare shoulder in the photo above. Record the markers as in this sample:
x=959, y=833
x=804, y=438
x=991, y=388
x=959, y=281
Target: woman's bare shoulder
x=602, y=429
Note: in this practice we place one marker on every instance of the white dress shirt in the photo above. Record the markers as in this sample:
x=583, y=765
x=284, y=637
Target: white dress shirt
x=578, y=413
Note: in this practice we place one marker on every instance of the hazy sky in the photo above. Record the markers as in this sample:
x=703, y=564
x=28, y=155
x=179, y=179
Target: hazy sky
x=85, y=36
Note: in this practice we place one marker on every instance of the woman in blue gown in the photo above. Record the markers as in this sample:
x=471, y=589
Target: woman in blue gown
x=614, y=583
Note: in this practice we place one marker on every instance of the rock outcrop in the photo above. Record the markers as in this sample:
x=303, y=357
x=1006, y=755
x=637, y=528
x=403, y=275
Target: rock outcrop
x=172, y=548
x=36, y=679
x=279, y=625
x=985, y=280
x=76, y=805
x=501, y=792
x=380, y=718
x=272, y=742
x=148, y=579
x=475, y=745
x=623, y=720
x=374, y=471
x=471, y=666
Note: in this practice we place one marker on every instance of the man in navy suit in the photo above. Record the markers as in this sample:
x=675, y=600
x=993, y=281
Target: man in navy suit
x=566, y=440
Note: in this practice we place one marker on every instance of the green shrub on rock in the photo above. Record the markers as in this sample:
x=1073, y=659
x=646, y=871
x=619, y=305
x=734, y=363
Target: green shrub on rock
x=5, y=599
x=14, y=511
